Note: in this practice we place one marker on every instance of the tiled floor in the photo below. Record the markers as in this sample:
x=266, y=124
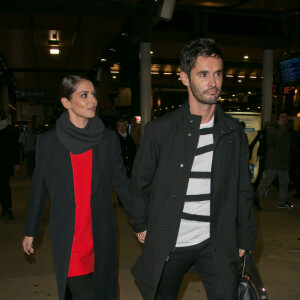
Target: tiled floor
x=277, y=253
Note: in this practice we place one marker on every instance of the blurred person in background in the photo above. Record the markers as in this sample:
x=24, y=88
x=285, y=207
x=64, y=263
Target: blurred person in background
x=9, y=161
x=28, y=142
x=128, y=147
x=278, y=157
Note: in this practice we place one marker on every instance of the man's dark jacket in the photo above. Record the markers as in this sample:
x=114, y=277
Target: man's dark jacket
x=53, y=175
x=164, y=162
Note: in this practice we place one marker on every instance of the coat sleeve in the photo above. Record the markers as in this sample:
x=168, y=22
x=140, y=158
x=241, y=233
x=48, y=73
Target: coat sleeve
x=246, y=220
x=143, y=172
x=38, y=194
x=120, y=181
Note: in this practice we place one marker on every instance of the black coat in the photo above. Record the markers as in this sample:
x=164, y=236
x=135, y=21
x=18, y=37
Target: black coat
x=164, y=162
x=53, y=174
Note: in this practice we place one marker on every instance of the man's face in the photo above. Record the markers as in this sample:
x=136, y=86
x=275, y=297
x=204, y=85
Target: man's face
x=122, y=127
x=283, y=119
x=205, y=81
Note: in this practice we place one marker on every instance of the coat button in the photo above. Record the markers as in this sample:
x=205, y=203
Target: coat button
x=189, y=134
x=173, y=195
x=157, y=253
x=181, y=165
x=191, y=121
x=165, y=225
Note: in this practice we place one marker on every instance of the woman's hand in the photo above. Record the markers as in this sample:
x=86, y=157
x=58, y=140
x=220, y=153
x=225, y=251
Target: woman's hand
x=141, y=236
x=28, y=244
x=241, y=252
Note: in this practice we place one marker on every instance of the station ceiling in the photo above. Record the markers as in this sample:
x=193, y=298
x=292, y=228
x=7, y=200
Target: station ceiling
x=96, y=36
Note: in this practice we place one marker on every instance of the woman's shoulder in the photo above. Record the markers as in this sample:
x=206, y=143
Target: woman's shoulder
x=46, y=137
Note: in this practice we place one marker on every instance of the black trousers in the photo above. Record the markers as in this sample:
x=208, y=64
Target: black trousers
x=81, y=287
x=179, y=263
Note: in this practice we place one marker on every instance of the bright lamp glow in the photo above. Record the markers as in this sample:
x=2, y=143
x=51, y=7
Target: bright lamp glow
x=54, y=51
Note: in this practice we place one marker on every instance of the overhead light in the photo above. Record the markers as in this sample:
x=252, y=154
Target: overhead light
x=114, y=72
x=114, y=77
x=124, y=33
x=151, y=52
x=246, y=57
x=228, y=75
x=154, y=73
x=54, y=51
x=167, y=73
x=239, y=80
x=253, y=77
x=103, y=59
x=112, y=49
x=241, y=76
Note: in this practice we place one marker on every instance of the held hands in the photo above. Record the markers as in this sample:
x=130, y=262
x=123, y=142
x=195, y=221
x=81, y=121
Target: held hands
x=141, y=236
x=27, y=245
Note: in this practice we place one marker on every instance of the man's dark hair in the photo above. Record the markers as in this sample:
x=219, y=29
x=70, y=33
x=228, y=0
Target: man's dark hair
x=201, y=47
x=68, y=85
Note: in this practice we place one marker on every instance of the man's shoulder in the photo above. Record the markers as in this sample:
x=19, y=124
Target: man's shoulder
x=165, y=122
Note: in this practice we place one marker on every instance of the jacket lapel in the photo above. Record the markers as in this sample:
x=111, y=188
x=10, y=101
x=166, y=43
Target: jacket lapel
x=64, y=166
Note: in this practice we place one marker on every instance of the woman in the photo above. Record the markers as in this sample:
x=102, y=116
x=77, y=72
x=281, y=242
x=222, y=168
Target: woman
x=76, y=164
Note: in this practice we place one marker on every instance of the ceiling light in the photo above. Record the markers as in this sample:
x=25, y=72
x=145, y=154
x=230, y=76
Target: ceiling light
x=151, y=52
x=54, y=51
x=241, y=76
x=239, y=80
x=114, y=77
x=228, y=75
x=246, y=57
x=253, y=77
x=154, y=73
x=103, y=59
x=167, y=73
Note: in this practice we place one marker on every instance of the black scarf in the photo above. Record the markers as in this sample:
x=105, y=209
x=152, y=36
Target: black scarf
x=79, y=140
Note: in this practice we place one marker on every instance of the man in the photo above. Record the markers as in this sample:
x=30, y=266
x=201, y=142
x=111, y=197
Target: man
x=128, y=147
x=191, y=188
x=9, y=161
x=277, y=160
x=28, y=140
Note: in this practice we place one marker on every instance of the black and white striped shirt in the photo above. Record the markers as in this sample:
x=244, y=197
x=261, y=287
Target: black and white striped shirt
x=195, y=220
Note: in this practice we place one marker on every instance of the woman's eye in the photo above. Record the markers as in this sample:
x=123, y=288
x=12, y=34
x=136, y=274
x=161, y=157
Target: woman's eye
x=84, y=95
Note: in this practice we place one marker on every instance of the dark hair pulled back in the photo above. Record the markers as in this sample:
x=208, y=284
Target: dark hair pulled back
x=68, y=85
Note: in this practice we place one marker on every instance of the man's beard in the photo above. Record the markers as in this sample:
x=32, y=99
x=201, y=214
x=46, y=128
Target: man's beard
x=199, y=96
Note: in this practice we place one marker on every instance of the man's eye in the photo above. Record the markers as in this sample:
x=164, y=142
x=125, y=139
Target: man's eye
x=218, y=74
x=203, y=75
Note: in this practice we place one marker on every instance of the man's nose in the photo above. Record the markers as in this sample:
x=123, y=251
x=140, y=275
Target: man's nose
x=212, y=81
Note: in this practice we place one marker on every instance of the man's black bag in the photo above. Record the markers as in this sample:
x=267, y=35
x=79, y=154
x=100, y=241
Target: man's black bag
x=250, y=284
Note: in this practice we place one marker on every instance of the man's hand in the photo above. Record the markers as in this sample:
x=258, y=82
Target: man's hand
x=241, y=252
x=141, y=236
x=27, y=245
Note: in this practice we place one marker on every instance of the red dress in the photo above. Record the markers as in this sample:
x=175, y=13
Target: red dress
x=82, y=255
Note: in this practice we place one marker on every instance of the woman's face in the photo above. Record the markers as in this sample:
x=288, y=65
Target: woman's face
x=82, y=104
